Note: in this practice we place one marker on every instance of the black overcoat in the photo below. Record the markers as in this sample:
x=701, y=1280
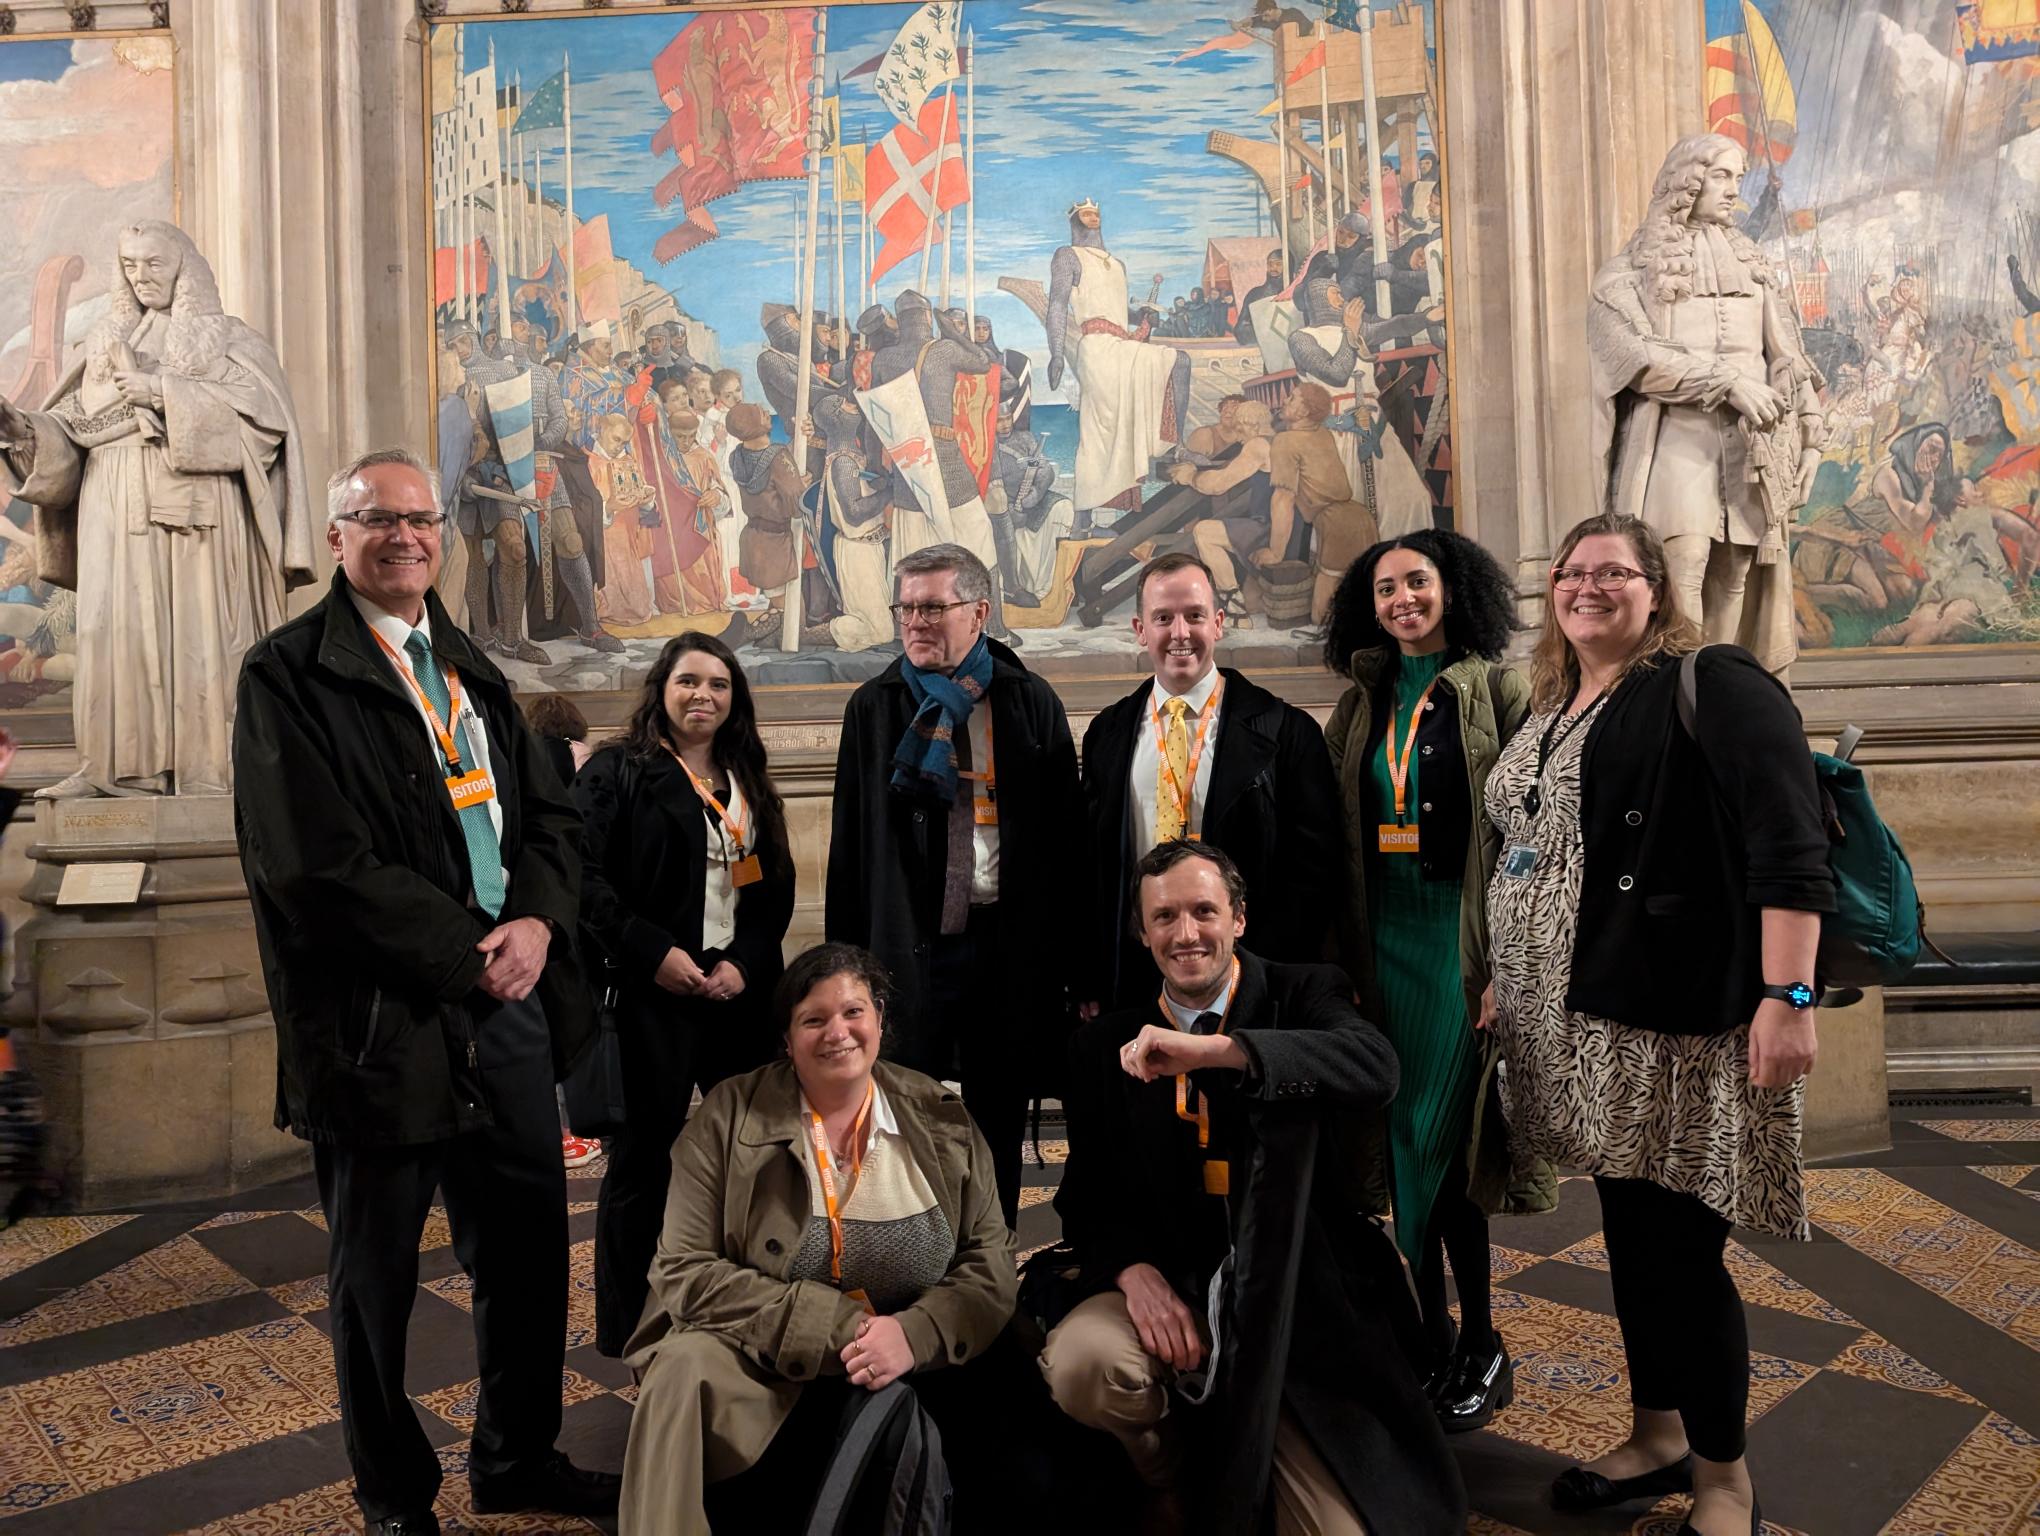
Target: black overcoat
x=644, y=858
x=888, y=851
x=1686, y=839
x=358, y=873
x=1322, y=1321
x=1273, y=806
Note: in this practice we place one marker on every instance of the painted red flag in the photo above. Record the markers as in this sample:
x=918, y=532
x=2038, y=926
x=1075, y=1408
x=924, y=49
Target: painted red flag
x=898, y=172
x=736, y=84
x=1314, y=60
x=446, y=264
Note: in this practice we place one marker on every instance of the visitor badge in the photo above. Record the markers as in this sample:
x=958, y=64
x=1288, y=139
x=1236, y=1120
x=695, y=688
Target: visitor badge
x=1392, y=838
x=1519, y=861
x=746, y=871
x=985, y=811
x=475, y=788
x=1217, y=1177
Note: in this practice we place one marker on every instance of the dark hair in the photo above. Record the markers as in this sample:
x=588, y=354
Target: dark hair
x=738, y=746
x=812, y=967
x=555, y=715
x=1480, y=600
x=1168, y=565
x=1163, y=857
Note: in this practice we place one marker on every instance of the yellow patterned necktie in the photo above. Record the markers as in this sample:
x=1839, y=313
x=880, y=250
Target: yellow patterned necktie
x=1172, y=786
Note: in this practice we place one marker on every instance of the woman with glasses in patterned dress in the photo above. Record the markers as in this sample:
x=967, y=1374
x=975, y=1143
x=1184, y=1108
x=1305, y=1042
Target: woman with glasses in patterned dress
x=1654, y=917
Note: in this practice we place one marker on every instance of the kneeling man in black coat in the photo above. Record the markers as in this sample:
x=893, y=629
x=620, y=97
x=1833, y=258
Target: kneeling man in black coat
x=1244, y=1337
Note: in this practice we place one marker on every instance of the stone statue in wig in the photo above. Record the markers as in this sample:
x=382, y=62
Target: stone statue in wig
x=169, y=492
x=1707, y=423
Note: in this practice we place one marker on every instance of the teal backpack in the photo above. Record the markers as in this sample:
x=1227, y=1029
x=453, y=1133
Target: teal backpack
x=1874, y=935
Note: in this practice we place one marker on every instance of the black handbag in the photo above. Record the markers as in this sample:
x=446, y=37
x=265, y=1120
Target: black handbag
x=594, y=1089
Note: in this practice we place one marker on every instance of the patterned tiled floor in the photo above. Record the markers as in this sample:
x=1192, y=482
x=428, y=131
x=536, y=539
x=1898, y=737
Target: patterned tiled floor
x=164, y=1372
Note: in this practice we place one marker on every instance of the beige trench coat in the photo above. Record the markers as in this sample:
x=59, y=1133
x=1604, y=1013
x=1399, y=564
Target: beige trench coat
x=727, y=1341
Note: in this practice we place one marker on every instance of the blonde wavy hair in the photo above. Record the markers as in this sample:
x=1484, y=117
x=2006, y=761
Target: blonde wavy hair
x=1663, y=243
x=1554, y=668
x=198, y=326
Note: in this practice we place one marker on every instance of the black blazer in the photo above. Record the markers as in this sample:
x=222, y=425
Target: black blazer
x=358, y=873
x=1321, y=1319
x=888, y=852
x=1686, y=838
x=1273, y=806
x=644, y=863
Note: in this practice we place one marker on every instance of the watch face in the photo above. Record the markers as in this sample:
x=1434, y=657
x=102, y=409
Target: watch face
x=1799, y=995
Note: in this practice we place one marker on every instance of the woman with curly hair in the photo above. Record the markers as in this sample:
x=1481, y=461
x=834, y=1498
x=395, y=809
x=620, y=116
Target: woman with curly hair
x=1418, y=624
x=687, y=890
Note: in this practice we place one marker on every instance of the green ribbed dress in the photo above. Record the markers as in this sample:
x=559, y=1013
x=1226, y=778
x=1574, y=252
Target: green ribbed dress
x=1415, y=927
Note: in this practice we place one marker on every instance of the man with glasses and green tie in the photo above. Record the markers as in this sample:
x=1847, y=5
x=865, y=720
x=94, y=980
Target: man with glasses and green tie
x=412, y=862
x=958, y=847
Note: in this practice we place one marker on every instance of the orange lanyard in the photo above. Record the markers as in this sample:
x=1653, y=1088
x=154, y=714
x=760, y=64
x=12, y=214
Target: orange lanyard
x=446, y=741
x=820, y=1139
x=1183, y=788
x=1200, y=1116
x=707, y=792
x=989, y=777
x=1399, y=772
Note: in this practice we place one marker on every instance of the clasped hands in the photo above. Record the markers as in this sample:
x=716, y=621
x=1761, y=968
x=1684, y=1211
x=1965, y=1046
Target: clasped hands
x=880, y=1354
x=679, y=975
x=513, y=955
x=1158, y=1052
x=138, y=388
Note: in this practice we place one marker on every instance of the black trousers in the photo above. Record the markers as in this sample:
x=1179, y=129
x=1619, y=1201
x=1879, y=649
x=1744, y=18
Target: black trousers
x=978, y=1029
x=506, y=1201
x=1681, y=1315
x=669, y=1046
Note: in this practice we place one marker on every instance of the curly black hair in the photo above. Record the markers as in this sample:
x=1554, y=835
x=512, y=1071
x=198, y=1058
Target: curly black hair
x=1480, y=600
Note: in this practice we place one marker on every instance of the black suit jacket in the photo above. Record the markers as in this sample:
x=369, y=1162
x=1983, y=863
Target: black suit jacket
x=1321, y=1320
x=1273, y=806
x=358, y=872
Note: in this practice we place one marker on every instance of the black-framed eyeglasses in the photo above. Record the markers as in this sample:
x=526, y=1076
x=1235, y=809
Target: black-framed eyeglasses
x=375, y=520
x=929, y=613
x=1609, y=578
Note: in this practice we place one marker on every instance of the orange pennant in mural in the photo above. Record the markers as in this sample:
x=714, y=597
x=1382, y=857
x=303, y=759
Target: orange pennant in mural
x=976, y=420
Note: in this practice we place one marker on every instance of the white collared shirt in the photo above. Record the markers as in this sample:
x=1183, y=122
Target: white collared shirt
x=719, y=898
x=474, y=731
x=1147, y=760
x=1186, y=1016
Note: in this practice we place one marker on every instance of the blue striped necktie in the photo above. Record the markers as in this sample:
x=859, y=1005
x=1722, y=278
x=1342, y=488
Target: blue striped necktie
x=484, y=851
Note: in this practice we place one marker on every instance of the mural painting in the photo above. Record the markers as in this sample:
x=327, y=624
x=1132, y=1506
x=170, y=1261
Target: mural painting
x=737, y=307
x=87, y=129
x=1894, y=178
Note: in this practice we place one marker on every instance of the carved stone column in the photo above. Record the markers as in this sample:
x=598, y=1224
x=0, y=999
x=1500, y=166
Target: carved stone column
x=1557, y=113
x=145, y=1021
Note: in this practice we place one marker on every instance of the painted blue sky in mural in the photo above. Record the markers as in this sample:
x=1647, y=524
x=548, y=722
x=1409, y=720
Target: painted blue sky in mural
x=1075, y=98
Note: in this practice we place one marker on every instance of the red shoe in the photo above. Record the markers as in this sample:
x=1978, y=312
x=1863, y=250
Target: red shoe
x=576, y=1151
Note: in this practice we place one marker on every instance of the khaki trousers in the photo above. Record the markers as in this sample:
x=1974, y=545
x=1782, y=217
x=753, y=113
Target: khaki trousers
x=1100, y=1376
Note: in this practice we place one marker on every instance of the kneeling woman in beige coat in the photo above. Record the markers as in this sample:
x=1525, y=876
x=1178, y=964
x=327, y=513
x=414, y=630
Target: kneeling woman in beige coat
x=832, y=1225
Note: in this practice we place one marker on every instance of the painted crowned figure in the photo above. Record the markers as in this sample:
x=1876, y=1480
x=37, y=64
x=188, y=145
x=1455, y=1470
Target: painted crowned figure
x=1134, y=395
x=1706, y=420
x=169, y=494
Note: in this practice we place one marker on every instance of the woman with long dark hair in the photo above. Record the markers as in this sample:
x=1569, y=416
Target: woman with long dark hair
x=1418, y=625
x=687, y=889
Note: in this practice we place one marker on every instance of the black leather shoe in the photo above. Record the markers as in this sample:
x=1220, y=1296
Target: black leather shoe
x=1577, y=1489
x=425, y=1524
x=1447, y=1366
x=554, y=1484
x=1481, y=1387
x=1756, y=1522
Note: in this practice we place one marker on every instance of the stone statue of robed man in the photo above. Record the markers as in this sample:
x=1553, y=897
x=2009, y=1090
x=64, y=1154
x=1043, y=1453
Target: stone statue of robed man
x=169, y=491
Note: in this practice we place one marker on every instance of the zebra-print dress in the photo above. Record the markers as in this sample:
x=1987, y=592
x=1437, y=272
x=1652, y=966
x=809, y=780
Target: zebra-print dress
x=1601, y=1097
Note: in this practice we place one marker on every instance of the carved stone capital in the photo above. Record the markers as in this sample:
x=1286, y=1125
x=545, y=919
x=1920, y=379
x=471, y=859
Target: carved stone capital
x=431, y=10
x=83, y=17
x=159, y=13
x=6, y=20
x=516, y=7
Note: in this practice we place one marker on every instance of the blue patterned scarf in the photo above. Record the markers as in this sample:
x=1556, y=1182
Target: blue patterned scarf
x=925, y=759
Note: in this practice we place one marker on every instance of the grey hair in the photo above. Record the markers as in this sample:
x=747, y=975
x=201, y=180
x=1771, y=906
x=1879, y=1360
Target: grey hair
x=973, y=581
x=336, y=488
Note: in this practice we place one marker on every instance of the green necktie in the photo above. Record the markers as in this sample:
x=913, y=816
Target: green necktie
x=485, y=853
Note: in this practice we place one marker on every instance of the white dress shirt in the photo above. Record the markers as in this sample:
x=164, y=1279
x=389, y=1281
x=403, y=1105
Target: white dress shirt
x=984, y=862
x=719, y=903
x=1186, y=1016
x=1147, y=761
x=474, y=732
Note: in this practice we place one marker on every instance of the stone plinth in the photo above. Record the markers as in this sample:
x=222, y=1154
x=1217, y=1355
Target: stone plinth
x=1848, y=1105
x=145, y=1020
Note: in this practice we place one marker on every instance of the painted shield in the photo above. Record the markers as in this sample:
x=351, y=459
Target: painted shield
x=976, y=416
x=898, y=416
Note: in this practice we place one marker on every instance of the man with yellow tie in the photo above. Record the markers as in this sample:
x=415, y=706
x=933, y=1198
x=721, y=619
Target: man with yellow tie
x=1200, y=752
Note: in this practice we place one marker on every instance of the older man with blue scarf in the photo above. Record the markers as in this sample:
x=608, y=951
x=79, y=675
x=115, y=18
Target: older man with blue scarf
x=958, y=841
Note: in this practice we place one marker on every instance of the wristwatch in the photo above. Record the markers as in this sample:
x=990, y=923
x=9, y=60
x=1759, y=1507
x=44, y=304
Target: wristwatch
x=1798, y=994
